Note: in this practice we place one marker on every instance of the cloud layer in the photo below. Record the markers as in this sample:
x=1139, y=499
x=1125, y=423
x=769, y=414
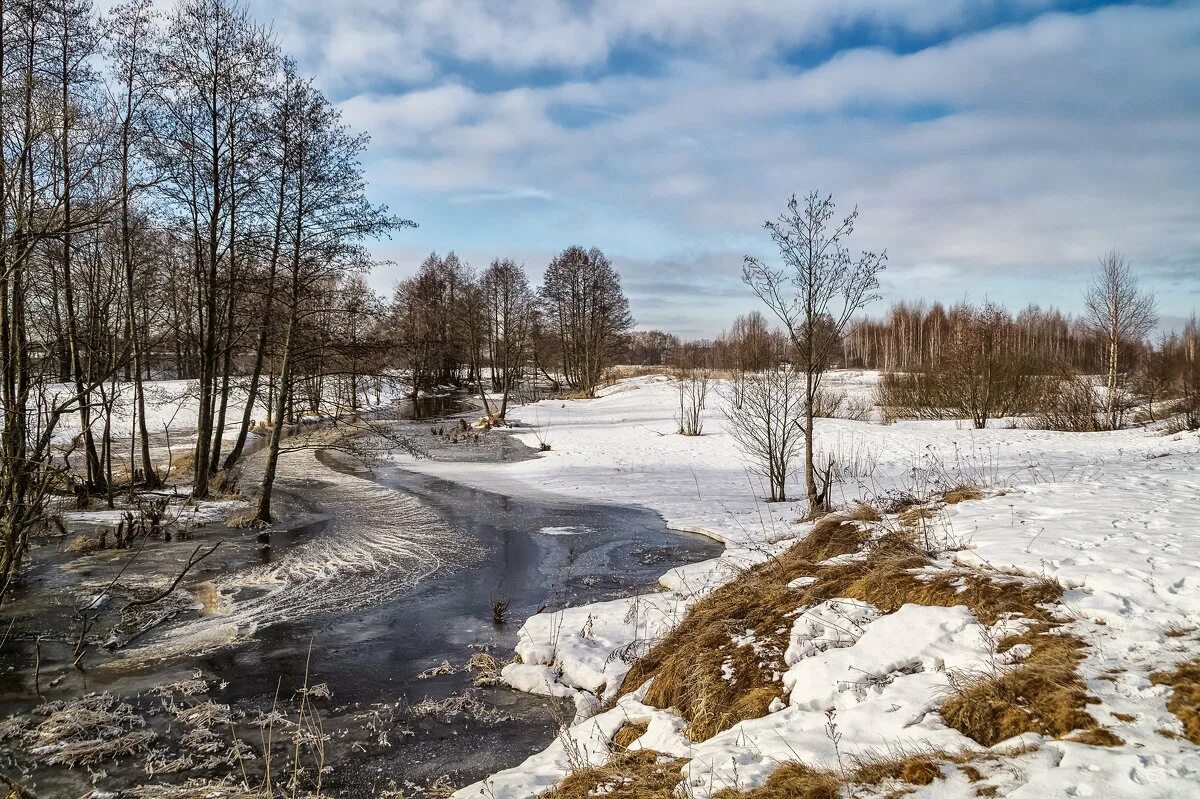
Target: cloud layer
x=993, y=147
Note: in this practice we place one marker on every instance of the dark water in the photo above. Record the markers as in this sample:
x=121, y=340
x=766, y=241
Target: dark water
x=375, y=655
x=371, y=657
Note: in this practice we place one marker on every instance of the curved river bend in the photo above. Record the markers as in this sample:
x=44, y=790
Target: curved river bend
x=391, y=574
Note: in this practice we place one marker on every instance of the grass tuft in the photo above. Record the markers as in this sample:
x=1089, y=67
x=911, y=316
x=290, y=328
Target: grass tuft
x=1185, y=696
x=629, y=733
x=962, y=493
x=641, y=774
x=1043, y=694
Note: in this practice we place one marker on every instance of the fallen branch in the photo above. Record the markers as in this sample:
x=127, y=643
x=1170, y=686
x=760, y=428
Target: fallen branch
x=192, y=562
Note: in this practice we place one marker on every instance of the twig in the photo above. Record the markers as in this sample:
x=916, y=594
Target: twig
x=192, y=561
x=37, y=666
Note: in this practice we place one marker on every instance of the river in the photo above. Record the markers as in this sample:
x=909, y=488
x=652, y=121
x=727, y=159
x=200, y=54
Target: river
x=376, y=579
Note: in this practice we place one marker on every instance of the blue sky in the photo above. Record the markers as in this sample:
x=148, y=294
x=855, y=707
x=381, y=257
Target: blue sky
x=995, y=148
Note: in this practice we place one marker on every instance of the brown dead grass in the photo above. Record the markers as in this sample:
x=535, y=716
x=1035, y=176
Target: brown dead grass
x=791, y=781
x=1185, y=696
x=629, y=733
x=798, y=781
x=961, y=493
x=224, y=484
x=687, y=664
x=243, y=518
x=629, y=775
x=1043, y=694
x=181, y=464
x=1098, y=737
x=83, y=545
x=862, y=512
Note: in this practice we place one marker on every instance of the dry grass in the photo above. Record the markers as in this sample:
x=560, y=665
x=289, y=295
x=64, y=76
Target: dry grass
x=223, y=484
x=687, y=664
x=862, y=512
x=572, y=394
x=87, y=730
x=1098, y=737
x=798, y=781
x=244, y=517
x=1044, y=694
x=629, y=733
x=792, y=781
x=486, y=669
x=963, y=493
x=1185, y=696
x=181, y=464
x=629, y=775
x=83, y=545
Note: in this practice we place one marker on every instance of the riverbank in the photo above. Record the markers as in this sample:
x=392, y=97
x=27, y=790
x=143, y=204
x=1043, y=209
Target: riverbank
x=1107, y=516
x=378, y=585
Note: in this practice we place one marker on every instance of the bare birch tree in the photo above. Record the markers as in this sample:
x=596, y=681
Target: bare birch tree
x=1119, y=313
x=815, y=294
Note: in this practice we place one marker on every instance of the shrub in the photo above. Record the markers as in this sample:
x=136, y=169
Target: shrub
x=984, y=372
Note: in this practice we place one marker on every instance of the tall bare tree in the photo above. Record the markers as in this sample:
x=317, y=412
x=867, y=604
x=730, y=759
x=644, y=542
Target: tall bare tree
x=815, y=294
x=509, y=309
x=329, y=217
x=1119, y=313
x=588, y=313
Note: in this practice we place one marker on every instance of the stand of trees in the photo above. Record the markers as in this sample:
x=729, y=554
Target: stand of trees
x=449, y=326
x=175, y=201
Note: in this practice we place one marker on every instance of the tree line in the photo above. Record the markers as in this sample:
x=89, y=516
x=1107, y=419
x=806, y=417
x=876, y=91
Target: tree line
x=451, y=325
x=176, y=199
x=1100, y=370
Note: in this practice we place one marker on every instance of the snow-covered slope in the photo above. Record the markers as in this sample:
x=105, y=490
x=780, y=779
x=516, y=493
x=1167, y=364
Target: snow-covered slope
x=1111, y=516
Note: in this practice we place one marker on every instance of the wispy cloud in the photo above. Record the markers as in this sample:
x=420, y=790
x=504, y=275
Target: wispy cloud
x=503, y=195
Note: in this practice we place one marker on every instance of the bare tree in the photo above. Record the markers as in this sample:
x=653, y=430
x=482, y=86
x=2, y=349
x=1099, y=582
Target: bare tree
x=693, y=375
x=1119, y=313
x=329, y=218
x=768, y=424
x=587, y=311
x=815, y=294
x=509, y=308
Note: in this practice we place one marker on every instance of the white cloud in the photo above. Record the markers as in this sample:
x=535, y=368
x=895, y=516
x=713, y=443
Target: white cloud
x=1025, y=149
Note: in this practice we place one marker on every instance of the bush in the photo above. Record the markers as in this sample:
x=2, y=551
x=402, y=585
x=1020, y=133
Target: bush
x=1071, y=404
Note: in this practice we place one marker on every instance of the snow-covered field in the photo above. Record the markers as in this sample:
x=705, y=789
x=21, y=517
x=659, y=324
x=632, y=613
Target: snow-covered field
x=1111, y=516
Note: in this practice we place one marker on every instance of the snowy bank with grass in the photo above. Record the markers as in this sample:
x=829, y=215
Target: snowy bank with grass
x=1010, y=624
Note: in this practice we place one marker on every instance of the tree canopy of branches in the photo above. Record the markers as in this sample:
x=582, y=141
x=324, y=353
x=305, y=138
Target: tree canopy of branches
x=175, y=201
x=587, y=314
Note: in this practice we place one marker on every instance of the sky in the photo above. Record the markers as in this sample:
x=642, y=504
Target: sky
x=994, y=148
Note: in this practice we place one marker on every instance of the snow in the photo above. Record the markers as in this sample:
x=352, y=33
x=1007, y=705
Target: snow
x=1111, y=516
x=172, y=408
x=577, y=645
